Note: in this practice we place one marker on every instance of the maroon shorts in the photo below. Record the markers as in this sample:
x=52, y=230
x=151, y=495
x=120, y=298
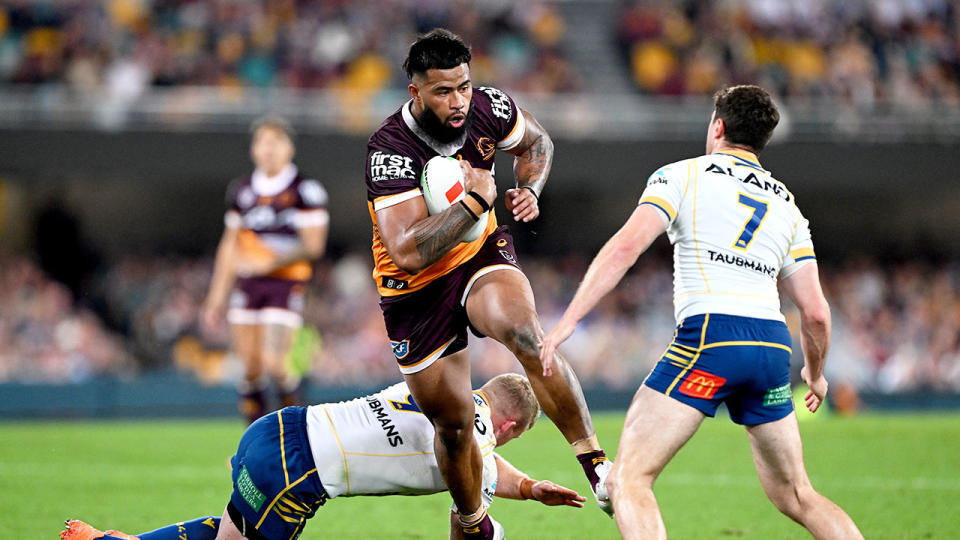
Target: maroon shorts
x=426, y=325
x=266, y=300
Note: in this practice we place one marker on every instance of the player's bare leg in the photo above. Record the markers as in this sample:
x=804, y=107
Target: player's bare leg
x=656, y=427
x=276, y=343
x=501, y=305
x=443, y=393
x=245, y=341
x=778, y=456
x=228, y=530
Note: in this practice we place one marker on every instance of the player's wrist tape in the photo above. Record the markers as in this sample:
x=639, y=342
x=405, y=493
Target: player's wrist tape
x=484, y=205
x=470, y=212
x=535, y=194
x=526, y=488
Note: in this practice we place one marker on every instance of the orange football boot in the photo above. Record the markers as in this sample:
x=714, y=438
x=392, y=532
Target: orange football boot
x=78, y=530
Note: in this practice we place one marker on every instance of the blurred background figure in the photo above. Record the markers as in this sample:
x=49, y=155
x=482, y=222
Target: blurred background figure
x=275, y=226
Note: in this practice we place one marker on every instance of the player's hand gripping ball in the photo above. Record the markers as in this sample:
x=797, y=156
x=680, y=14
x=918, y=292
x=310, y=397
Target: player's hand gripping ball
x=442, y=181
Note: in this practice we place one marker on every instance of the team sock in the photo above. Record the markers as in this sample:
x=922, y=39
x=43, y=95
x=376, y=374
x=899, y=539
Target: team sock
x=253, y=399
x=480, y=529
x=589, y=462
x=204, y=528
x=291, y=393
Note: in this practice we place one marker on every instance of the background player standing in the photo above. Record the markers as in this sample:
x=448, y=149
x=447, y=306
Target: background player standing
x=433, y=286
x=275, y=225
x=737, y=234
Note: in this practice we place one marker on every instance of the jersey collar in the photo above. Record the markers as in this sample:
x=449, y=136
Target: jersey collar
x=448, y=149
x=268, y=186
x=743, y=157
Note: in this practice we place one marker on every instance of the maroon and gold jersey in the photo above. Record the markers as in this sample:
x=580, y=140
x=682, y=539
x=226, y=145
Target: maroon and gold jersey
x=269, y=211
x=396, y=154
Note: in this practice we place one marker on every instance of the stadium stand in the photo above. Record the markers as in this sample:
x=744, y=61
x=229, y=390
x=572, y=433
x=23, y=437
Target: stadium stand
x=864, y=53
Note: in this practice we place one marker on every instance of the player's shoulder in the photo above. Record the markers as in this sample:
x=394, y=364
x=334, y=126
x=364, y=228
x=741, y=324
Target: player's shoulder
x=310, y=190
x=391, y=134
x=240, y=191
x=494, y=103
x=676, y=171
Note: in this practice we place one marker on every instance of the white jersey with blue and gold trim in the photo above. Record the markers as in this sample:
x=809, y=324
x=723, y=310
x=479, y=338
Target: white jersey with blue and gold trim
x=735, y=230
x=382, y=444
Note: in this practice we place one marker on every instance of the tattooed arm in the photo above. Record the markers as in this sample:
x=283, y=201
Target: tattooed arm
x=415, y=240
x=531, y=167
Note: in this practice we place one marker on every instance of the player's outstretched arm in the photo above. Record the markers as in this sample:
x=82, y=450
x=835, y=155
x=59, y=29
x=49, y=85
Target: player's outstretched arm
x=415, y=240
x=531, y=167
x=224, y=274
x=606, y=270
x=513, y=484
x=803, y=289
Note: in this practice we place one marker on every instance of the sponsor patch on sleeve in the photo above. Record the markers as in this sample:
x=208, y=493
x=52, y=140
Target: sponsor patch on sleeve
x=385, y=166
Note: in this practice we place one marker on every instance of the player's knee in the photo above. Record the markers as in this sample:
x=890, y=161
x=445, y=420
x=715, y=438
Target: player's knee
x=792, y=500
x=622, y=482
x=524, y=342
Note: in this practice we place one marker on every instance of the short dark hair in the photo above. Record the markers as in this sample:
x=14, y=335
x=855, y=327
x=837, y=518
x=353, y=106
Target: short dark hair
x=748, y=113
x=275, y=122
x=437, y=49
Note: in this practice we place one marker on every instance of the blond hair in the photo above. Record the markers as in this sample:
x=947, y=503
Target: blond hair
x=514, y=397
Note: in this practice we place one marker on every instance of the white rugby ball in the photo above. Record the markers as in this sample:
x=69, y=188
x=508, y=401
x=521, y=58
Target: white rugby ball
x=442, y=182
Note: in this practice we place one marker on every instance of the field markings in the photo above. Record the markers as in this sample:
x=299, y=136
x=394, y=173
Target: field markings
x=848, y=482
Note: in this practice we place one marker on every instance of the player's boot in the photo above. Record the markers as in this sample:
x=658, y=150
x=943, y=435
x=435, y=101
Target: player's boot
x=600, y=492
x=78, y=530
x=597, y=467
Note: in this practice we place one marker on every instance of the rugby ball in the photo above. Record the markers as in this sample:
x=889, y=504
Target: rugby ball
x=442, y=183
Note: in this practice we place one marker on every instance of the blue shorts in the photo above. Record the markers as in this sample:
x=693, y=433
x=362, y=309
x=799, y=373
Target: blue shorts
x=275, y=483
x=740, y=361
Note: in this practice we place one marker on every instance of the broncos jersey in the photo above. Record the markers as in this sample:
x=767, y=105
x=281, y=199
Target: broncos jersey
x=382, y=444
x=735, y=230
x=396, y=154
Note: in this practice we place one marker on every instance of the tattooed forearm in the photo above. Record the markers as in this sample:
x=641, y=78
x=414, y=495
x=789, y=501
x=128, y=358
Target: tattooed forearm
x=437, y=234
x=531, y=167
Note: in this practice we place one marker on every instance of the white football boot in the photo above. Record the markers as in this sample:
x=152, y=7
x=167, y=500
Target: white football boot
x=600, y=493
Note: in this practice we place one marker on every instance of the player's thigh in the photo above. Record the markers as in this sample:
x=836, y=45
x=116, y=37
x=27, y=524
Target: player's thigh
x=228, y=530
x=778, y=453
x=656, y=427
x=501, y=303
x=275, y=343
x=443, y=392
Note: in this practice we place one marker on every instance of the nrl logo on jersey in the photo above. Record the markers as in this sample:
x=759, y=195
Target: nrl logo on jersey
x=400, y=348
x=499, y=102
x=384, y=166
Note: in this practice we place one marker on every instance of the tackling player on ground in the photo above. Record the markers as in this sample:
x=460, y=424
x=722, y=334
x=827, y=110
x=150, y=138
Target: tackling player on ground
x=737, y=235
x=433, y=286
x=289, y=463
x=275, y=225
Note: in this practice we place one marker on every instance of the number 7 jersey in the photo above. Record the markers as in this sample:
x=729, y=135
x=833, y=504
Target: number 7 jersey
x=735, y=230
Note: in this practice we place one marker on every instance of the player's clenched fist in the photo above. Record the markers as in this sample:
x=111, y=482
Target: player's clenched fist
x=551, y=494
x=523, y=204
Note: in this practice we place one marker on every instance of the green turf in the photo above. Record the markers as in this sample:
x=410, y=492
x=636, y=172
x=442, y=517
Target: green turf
x=898, y=477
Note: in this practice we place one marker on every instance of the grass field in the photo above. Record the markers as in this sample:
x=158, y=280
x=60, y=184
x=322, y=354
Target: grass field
x=898, y=476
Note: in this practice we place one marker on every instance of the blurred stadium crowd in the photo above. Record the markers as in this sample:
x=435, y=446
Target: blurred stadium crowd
x=903, y=52
x=129, y=45
x=896, y=327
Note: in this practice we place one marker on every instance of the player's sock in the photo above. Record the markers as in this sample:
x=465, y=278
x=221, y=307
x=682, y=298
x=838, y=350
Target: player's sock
x=597, y=466
x=291, y=392
x=204, y=528
x=253, y=399
x=481, y=529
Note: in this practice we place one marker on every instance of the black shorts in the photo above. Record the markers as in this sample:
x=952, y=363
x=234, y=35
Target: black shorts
x=426, y=325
